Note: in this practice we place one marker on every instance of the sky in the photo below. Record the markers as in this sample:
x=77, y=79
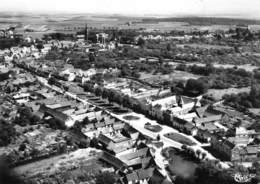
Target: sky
x=242, y=8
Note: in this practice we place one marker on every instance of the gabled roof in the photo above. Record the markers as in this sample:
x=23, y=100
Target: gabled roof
x=132, y=177
x=208, y=119
x=186, y=100
x=180, y=121
x=140, y=174
x=137, y=161
x=56, y=114
x=104, y=139
x=229, y=112
x=118, y=125
x=145, y=173
x=99, y=124
x=139, y=153
x=209, y=126
x=118, y=149
x=89, y=126
x=229, y=144
x=200, y=111
x=189, y=126
x=252, y=149
x=117, y=163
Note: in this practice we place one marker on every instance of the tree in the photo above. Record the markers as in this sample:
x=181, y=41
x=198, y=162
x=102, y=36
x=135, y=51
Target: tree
x=195, y=87
x=91, y=57
x=210, y=69
x=7, y=132
x=7, y=175
x=168, y=47
x=106, y=178
x=141, y=42
x=39, y=46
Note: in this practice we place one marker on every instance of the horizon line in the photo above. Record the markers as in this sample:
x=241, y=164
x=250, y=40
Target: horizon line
x=141, y=15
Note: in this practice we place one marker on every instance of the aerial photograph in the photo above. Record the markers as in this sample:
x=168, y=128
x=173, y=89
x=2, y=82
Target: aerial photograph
x=130, y=92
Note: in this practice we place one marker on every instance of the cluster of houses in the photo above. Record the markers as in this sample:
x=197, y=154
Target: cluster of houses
x=46, y=103
x=25, y=51
x=124, y=147
x=126, y=150
x=71, y=74
x=177, y=38
x=227, y=130
x=215, y=124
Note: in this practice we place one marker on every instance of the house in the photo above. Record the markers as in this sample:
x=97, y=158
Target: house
x=137, y=158
x=190, y=128
x=178, y=123
x=204, y=135
x=244, y=136
x=131, y=132
x=114, y=161
x=177, y=106
x=139, y=176
x=255, y=111
x=57, y=115
x=206, y=120
x=115, y=142
x=246, y=153
x=222, y=146
x=22, y=97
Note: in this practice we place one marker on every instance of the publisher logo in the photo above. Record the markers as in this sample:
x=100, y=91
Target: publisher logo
x=243, y=178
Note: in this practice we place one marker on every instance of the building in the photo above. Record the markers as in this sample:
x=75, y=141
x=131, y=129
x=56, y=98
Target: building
x=115, y=142
x=249, y=153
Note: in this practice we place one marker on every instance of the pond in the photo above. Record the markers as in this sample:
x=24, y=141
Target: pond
x=181, y=163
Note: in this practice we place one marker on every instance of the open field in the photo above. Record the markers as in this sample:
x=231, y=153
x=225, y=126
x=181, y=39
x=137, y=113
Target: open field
x=205, y=20
x=75, y=22
x=204, y=46
x=219, y=93
x=175, y=75
x=247, y=67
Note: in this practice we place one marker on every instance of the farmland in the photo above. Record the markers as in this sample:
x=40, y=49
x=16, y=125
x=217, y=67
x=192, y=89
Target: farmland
x=174, y=76
x=219, y=93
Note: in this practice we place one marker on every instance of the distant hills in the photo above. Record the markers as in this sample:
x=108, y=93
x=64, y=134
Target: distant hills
x=204, y=20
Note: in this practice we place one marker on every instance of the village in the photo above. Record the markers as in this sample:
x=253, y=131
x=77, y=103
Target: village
x=51, y=107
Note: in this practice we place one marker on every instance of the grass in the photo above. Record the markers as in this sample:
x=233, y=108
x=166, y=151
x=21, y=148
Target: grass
x=153, y=128
x=206, y=46
x=217, y=94
x=130, y=118
x=159, y=78
x=180, y=138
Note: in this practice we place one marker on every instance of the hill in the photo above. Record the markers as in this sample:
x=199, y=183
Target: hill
x=204, y=20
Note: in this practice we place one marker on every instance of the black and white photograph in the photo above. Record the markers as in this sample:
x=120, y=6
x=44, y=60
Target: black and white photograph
x=129, y=91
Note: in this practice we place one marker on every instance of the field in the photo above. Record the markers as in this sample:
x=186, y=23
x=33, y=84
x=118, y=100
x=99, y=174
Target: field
x=69, y=23
x=207, y=21
x=174, y=76
x=247, y=67
x=204, y=46
x=219, y=93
